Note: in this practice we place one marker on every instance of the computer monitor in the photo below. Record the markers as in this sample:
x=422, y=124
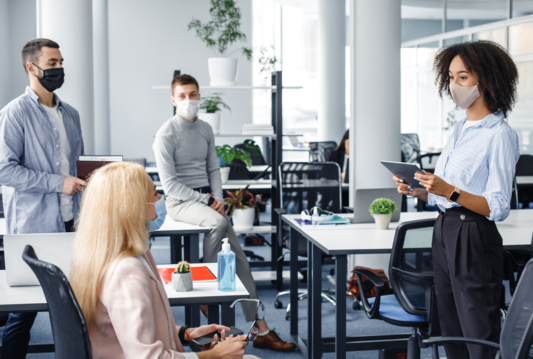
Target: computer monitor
x=365, y=197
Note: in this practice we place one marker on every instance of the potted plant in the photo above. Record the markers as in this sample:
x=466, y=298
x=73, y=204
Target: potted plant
x=213, y=105
x=242, y=207
x=219, y=33
x=182, y=277
x=382, y=209
x=226, y=154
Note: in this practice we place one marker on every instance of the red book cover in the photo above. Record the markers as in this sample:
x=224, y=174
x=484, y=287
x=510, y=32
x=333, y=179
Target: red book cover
x=199, y=274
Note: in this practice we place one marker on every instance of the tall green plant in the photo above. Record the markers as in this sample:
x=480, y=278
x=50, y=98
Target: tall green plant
x=223, y=30
x=213, y=103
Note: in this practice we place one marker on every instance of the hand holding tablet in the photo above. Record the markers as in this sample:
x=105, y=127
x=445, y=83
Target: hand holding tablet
x=405, y=171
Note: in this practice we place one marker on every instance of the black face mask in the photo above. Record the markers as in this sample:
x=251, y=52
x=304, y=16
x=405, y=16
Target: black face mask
x=52, y=78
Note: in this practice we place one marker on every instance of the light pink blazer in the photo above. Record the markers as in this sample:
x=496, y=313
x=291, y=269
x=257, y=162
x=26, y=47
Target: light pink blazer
x=133, y=316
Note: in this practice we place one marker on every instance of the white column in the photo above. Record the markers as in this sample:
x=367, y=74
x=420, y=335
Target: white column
x=102, y=137
x=375, y=28
x=5, y=88
x=331, y=69
x=69, y=23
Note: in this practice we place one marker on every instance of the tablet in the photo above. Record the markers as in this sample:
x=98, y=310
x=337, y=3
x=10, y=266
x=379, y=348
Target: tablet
x=405, y=171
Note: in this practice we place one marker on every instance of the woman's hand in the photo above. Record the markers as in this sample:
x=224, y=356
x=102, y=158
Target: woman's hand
x=404, y=188
x=193, y=333
x=232, y=347
x=434, y=184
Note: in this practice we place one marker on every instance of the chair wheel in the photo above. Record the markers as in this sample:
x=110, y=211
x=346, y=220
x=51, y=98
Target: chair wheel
x=356, y=306
x=278, y=304
x=288, y=316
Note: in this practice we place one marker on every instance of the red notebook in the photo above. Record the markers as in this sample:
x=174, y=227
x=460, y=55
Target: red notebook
x=199, y=274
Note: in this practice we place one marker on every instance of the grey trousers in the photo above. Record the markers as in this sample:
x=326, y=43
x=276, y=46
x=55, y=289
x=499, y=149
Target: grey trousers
x=199, y=214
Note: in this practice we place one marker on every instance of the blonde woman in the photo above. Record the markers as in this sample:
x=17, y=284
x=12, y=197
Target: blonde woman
x=115, y=279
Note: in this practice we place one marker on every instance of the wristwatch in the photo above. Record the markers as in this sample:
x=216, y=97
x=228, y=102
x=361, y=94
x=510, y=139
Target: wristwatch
x=181, y=333
x=454, y=196
x=210, y=201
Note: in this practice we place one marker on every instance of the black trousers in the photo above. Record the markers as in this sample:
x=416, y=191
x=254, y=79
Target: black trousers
x=468, y=266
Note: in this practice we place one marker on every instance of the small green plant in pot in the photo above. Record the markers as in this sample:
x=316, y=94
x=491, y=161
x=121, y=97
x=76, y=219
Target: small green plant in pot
x=226, y=154
x=242, y=207
x=182, y=277
x=213, y=105
x=222, y=31
x=382, y=209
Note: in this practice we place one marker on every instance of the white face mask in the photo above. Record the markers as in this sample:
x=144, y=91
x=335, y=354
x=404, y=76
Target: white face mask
x=464, y=96
x=188, y=108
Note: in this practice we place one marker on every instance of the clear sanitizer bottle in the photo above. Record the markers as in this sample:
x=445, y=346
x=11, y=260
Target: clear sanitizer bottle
x=226, y=268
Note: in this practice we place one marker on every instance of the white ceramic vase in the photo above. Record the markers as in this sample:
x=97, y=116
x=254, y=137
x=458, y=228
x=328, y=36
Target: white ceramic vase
x=213, y=119
x=243, y=219
x=382, y=220
x=182, y=282
x=222, y=71
x=224, y=173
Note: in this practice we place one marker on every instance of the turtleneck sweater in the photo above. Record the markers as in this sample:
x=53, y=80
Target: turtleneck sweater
x=186, y=159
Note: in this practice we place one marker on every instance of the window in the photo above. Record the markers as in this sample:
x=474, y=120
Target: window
x=520, y=36
x=521, y=119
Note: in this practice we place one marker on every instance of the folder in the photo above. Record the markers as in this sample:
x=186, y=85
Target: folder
x=86, y=165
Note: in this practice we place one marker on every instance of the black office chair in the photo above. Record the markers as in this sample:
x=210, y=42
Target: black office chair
x=71, y=339
x=321, y=151
x=516, y=338
x=411, y=277
x=410, y=148
x=238, y=169
x=304, y=186
x=524, y=167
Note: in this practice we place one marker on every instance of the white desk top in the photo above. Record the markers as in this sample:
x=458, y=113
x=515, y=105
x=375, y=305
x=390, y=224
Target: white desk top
x=516, y=232
x=524, y=179
x=236, y=184
x=171, y=227
x=32, y=298
x=154, y=170
x=2, y=227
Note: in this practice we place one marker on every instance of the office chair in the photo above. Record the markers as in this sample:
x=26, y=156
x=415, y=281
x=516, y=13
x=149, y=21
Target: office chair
x=411, y=277
x=71, y=339
x=410, y=148
x=321, y=151
x=524, y=167
x=303, y=186
x=238, y=169
x=516, y=338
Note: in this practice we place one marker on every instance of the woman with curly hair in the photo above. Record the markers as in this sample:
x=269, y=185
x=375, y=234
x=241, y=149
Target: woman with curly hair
x=472, y=188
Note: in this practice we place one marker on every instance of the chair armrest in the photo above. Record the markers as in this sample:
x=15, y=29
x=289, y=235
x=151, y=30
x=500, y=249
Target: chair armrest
x=280, y=211
x=371, y=311
x=459, y=340
x=348, y=209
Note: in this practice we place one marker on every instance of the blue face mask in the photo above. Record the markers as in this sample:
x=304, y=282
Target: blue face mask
x=161, y=211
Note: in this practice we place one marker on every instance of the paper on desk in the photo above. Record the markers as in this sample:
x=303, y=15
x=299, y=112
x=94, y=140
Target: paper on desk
x=199, y=274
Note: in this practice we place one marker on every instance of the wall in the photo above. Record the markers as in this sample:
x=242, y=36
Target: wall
x=148, y=40
x=17, y=27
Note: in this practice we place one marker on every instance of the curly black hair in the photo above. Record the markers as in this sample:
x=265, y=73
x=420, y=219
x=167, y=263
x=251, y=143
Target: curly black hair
x=496, y=71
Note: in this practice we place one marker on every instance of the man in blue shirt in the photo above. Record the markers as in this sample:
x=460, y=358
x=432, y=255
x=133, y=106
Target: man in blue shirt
x=40, y=141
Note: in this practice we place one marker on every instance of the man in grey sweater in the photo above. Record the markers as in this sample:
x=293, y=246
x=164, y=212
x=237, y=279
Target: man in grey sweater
x=184, y=149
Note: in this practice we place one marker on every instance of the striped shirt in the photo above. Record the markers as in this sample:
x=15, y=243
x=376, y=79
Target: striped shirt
x=480, y=160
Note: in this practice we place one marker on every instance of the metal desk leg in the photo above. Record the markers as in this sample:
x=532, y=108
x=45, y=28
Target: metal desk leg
x=309, y=298
x=192, y=248
x=175, y=249
x=228, y=315
x=294, y=281
x=213, y=314
x=340, y=307
x=316, y=322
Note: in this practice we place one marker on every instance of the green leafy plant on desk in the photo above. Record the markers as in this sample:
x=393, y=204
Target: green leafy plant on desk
x=382, y=209
x=242, y=207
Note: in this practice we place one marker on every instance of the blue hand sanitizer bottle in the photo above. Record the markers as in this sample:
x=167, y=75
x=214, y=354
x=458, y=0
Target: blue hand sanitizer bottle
x=226, y=268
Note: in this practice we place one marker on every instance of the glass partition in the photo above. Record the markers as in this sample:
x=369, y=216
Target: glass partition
x=461, y=14
x=522, y=8
x=497, y=35
x=521, y=39
x=521, y=119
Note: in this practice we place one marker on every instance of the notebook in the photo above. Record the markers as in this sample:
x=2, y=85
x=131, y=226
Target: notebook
x=199, y=274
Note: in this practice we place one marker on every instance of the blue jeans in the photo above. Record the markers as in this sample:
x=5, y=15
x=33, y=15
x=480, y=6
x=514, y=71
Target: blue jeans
x=17, y=335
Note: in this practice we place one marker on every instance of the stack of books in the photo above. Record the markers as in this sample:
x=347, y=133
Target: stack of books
x=254, y=129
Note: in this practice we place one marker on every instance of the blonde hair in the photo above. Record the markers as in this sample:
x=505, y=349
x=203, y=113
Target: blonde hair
x=112, y=225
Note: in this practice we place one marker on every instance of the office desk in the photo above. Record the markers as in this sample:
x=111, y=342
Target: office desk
x=264, y=184
x=252, y=169
x=177, y=230
x=32, y=299
x=343, y=240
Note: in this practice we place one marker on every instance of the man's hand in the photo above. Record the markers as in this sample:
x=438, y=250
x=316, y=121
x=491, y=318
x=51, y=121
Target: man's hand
x=217, y=205
x=434, y=184
x=71, y=185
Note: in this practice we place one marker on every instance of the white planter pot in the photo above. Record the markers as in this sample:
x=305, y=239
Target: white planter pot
x=382, y=221
x=243, y=219
x=222, y=71
x=182, y=282
x=213, y=119
x=224, y=173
